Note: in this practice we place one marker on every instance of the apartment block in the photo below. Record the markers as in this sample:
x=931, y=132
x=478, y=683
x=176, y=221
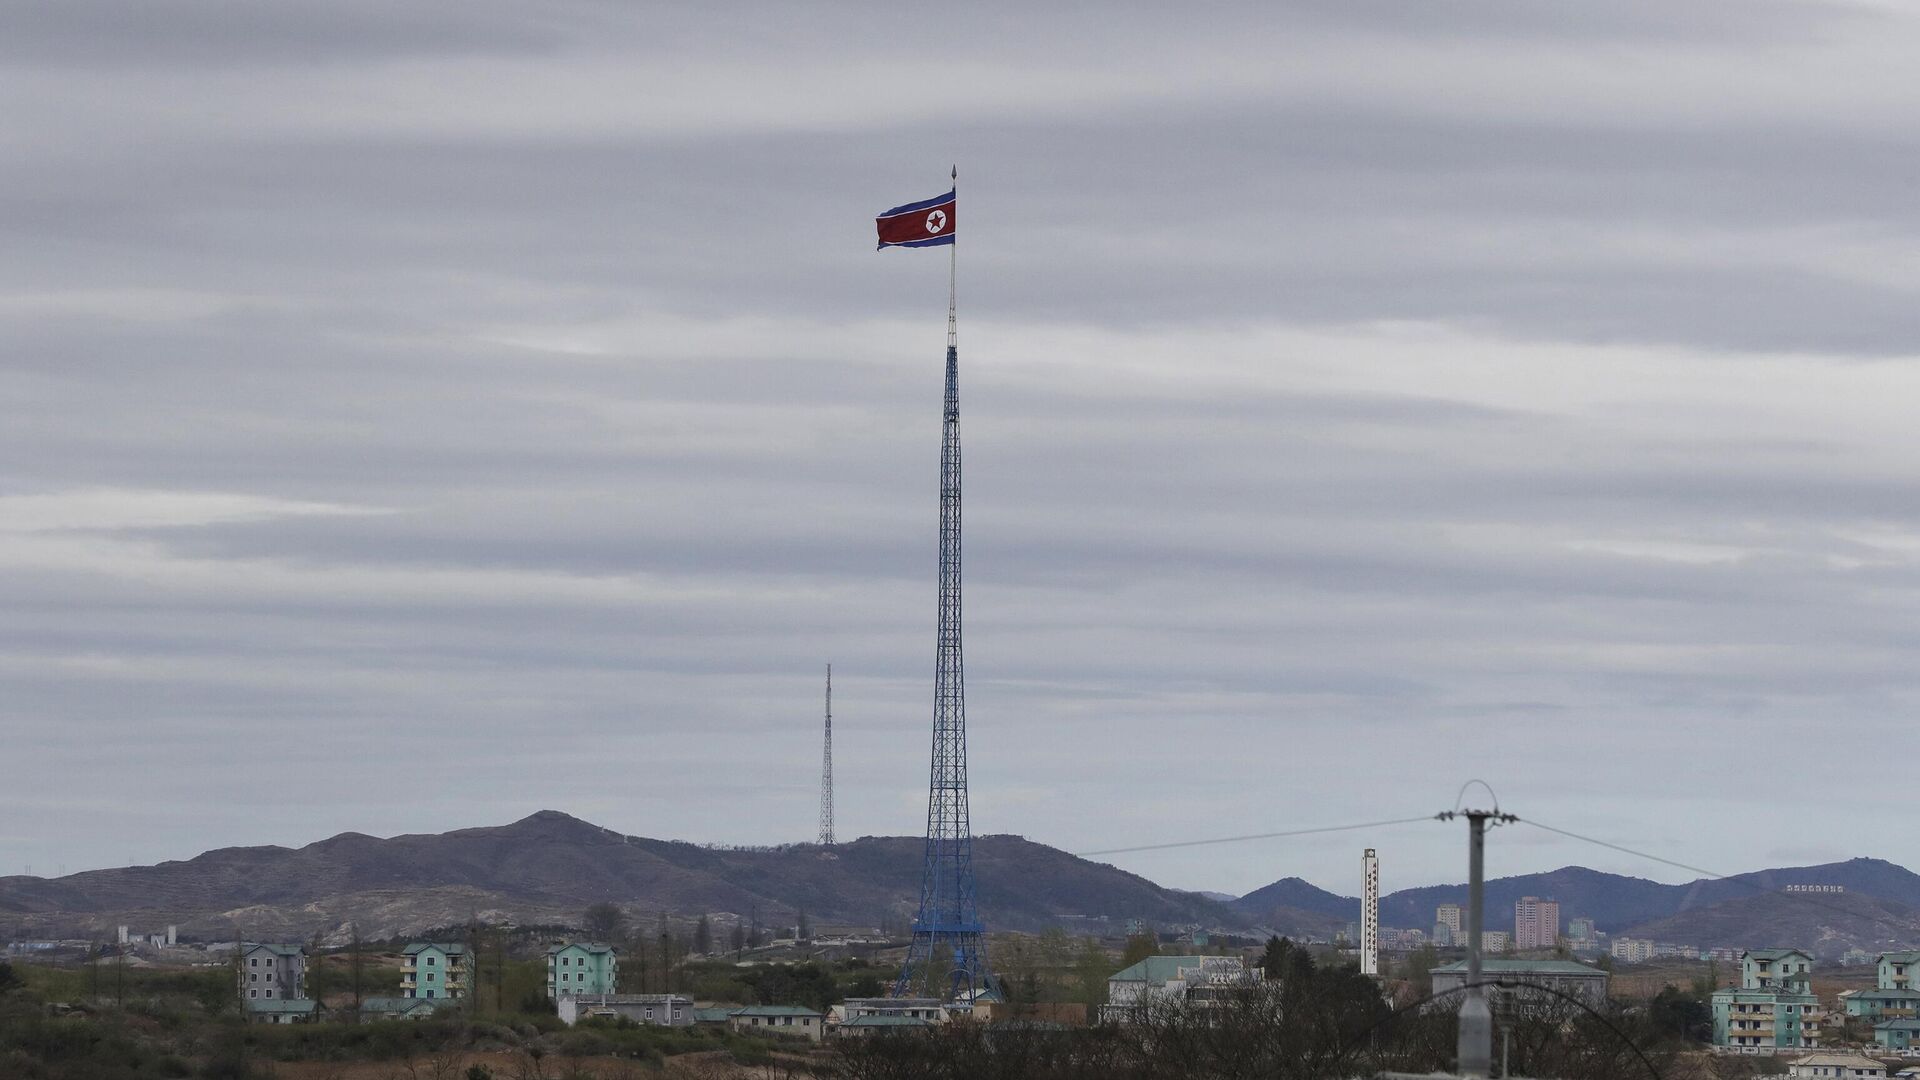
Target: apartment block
x=1773, y=1008
x=581, y=967
x=272, y=972
x=436, y=969
x=1536, y=923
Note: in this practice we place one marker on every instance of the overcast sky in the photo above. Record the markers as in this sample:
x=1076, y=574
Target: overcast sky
x=418, y=415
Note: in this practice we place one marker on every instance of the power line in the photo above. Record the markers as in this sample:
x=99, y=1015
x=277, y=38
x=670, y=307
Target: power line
x=1626, y=850
x=1757, y=889
x=1255, y=836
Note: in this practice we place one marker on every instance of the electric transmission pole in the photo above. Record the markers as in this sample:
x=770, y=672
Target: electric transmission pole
x=1476, y=1016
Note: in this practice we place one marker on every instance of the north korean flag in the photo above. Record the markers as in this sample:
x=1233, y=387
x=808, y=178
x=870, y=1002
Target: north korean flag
x=928, y=223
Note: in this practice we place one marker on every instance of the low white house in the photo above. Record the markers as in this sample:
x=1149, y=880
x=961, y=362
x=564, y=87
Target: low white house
x=1833, y=1065
x=664, y=1010
x=1542, y=984
x=932, y=1010
x=786, y=1021
x=1175, y=980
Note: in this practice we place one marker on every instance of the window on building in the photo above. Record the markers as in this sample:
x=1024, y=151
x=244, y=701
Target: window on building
x=429, y=961
x=253, y=993
x=269, y=993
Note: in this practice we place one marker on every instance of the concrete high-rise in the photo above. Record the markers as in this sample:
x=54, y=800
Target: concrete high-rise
x=1536, y=923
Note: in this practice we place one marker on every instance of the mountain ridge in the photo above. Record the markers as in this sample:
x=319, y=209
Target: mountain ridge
x=549, y=866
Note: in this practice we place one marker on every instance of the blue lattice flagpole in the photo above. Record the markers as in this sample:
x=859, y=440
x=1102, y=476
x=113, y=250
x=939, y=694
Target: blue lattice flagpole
x=949, y=944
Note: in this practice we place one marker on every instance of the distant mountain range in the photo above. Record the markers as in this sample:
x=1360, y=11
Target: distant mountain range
x=548, y=867
x=1876, y=910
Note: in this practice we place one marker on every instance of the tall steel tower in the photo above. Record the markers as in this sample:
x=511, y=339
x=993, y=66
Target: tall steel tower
x=1370, y=914
x=826, y=771
x=949, y=944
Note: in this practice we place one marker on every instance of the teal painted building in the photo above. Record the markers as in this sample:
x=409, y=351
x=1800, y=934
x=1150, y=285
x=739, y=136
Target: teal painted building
x=1897, y=970
x=1775, y=969
x=1897, y=1034
x=1882, y=1004
x=582, y=967
x=1774, y=1006
x=436, y=970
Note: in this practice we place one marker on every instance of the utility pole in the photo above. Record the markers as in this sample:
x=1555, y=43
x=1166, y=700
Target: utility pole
x=1476, y=1016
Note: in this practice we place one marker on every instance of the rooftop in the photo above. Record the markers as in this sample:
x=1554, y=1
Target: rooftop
x=283, y=1005
x=450, y=948
x=283, y=950
x=593, y=947
x=1160, y=969
x=1834, y=1057
x=400, y=1005
x=888, y=1020
x=774, y=1010
x=1773, y=954
x=1522, y=967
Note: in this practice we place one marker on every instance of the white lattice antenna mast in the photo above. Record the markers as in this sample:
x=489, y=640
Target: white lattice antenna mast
x=1370, y=915
x=826, y=771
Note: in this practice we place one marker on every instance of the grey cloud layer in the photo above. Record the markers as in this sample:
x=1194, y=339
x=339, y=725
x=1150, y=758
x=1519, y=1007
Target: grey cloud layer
x=1401, y=394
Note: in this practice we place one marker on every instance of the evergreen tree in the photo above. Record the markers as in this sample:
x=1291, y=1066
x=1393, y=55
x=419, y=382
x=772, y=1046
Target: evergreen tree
x=1094, y=967
x=1139, y=947
x=703, y=937
x=355, y=964
x=1273, y=961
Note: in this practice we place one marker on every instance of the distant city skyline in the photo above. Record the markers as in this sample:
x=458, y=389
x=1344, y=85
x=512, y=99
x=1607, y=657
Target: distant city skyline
x=474, y=416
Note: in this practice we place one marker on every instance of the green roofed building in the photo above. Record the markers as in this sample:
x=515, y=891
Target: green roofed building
x=786, y=1021
x=881, y=1024
x=1897, y=970
x=1774, y=1008
x=582, y=967
x=399, y=1008
x=1166, y=981
x=1897, y=1034
x=1775, y=969
x=1881, y=1004
x=436, y=969
x=1536, y=984
x=282, y=1010
x=270, y=972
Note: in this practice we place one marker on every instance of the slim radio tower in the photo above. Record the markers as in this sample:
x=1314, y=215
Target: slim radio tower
x=826, y=771
x=949, y=942
x=1370, y=914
